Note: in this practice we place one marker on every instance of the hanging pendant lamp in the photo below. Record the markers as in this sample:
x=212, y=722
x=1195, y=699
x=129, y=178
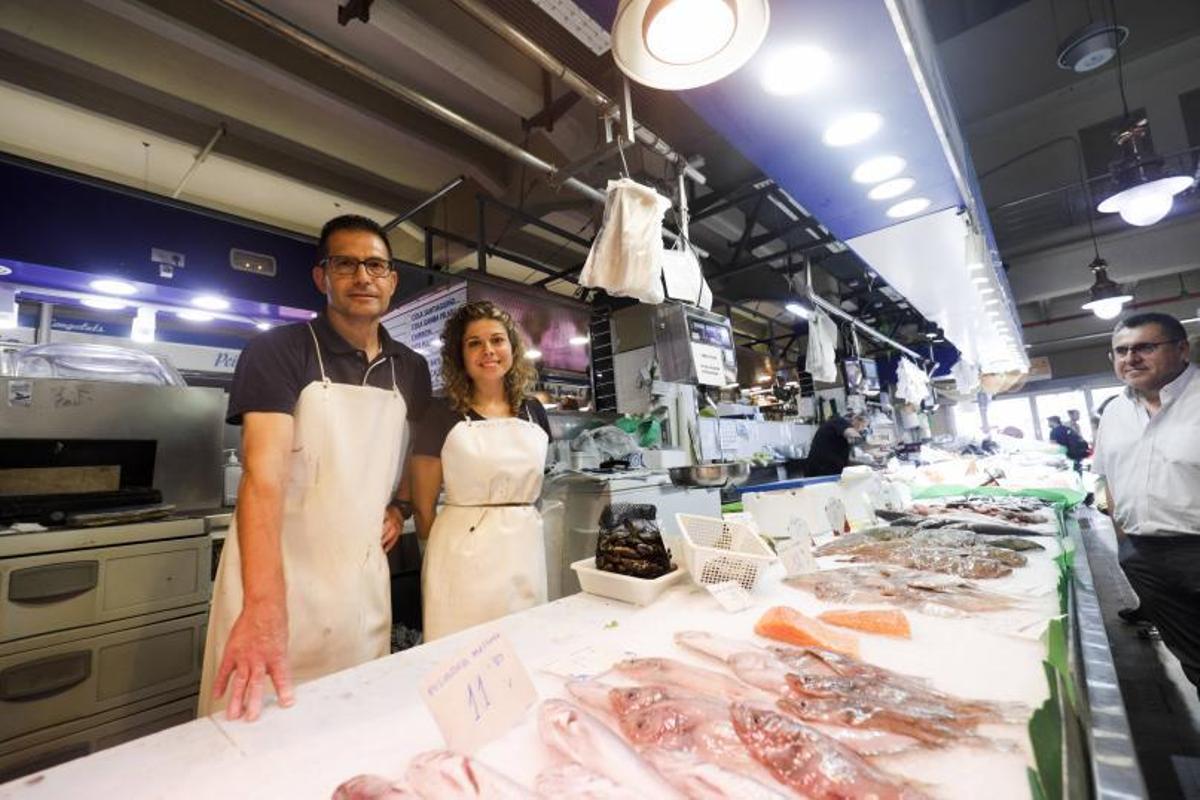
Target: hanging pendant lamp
x=1105, y=298
x=1142, y=194
x=682, y=44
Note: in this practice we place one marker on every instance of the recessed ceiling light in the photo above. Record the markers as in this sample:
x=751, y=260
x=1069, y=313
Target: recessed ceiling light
x=976, y=266
x=113, y=286
x=210, y=302
x=103, y=303
x=906, y=208
x=794, y=70
x=533, y=354
x=893, y=188
x=5, y=270
x=987, y=290
x=877, y=169
x=194, y=316
x=852, y=129
x=263, y=326
x=981, y=279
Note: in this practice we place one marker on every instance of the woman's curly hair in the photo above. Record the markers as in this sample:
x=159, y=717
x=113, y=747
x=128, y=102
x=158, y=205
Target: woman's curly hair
x=519, y=379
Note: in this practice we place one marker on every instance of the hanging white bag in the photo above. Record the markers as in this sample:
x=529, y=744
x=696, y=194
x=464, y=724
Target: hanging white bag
x=822, y=338
x=682, y=277
x=626, y=256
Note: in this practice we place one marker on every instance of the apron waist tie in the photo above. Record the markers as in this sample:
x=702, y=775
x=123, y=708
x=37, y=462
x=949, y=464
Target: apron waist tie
x=490, y=505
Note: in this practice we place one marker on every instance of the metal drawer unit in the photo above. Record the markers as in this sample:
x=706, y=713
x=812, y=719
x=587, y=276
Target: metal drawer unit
x=59, y=678
x=44, y=593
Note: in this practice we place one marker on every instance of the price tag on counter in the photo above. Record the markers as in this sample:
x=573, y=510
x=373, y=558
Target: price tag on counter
x=835, y=509
x=731, y=595
x=796, y=552
x=479, y=694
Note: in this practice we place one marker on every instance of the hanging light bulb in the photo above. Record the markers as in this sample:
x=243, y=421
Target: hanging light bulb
x=1105, y=298
x=1142, y=194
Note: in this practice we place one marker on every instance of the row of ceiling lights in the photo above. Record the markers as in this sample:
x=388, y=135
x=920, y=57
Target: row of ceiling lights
x=204, y=303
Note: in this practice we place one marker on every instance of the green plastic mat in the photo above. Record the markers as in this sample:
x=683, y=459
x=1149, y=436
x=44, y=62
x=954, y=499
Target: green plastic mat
x=1066, y=498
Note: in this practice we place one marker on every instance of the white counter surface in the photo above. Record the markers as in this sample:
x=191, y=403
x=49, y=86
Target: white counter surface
x=370, y=719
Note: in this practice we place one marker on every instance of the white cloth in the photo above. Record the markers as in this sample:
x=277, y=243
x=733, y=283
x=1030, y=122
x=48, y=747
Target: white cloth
x=346, y=454
x=486, y=557
x=912, y=384
x=1152, y=464
x=626, y=256
x=966, y=377
x=683, y=279
x=822, y=339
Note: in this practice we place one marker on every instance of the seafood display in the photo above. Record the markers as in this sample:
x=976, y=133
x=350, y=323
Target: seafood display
x=452, y=776
x=630, y=542
x=789, y=625
x=927, y=592
x=884, y=621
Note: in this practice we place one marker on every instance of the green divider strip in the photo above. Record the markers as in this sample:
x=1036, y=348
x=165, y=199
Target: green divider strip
x=1046, y=736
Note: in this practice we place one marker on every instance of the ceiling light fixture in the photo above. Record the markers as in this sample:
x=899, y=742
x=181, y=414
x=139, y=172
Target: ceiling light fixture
x=795, y=70
x=878, y=169
x=798, y=310
x=103, y=303
x=852, y=129
x=263, y=326
x=113, y=286
x=533, y=354
x=1090, y=46
x=682, y=44
x=893, y=188
x=194, y=316
x=5, y=270
x=906, y=208
x=579, y=341
x=1105, y=298
x=210, y=302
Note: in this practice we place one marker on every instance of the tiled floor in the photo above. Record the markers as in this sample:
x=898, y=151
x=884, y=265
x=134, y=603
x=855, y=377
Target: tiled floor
x=1162, y=706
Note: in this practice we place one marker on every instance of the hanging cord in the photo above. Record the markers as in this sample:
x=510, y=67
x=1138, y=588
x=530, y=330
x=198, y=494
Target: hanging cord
x=1112, y=7
x=621, y=152
x=1054, y=23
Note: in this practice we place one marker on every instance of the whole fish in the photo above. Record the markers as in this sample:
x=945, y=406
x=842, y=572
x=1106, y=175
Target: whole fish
x=580, y=737
x=702, y=681
x=854, y=713
x=905, y=694
x=714, y=646
x=703, y=780
x=450, y=776
x=811, y=763
x=373, y=787
x=578, y=782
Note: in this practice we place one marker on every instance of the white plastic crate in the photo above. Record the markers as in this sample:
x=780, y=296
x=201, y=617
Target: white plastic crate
x=628, y=589
x=715, y=551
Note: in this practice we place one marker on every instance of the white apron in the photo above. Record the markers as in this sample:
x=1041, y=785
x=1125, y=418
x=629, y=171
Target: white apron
x=485, y=557
x=346, y=454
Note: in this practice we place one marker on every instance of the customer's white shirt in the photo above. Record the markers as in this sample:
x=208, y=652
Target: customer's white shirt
x=1152, y=464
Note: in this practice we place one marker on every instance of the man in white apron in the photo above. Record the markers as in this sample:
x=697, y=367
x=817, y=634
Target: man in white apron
x=302, y=589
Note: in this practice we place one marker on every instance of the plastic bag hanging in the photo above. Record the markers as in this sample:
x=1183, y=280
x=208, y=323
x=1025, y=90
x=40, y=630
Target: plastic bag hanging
x=626, y=256
x=822, y=340
x=682, y=277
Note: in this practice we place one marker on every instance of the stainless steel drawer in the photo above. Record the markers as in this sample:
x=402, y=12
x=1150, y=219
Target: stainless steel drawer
x=63, y=590
x=72, y=678
x=62, y=743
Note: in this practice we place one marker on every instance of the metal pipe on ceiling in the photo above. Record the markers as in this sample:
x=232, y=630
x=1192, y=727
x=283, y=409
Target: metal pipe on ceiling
x=577, y=83
x=200, y=158
x=428, y=201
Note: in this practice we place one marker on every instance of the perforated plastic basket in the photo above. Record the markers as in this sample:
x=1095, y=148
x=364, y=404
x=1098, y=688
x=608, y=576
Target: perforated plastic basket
x=715, y=551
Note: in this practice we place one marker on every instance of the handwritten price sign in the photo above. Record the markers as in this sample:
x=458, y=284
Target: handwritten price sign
x=479, y=694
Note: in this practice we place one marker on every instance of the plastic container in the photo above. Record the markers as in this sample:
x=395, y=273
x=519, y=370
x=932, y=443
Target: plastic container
x=627, y=589
x=716, y=551
x=232, y=477
x=95, y=362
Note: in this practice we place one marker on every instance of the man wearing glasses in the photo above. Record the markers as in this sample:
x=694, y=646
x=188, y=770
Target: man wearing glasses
x=302, y=589
x=1148, y=451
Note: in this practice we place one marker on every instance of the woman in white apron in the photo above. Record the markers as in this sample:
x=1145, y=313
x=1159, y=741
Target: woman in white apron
x=486, y=440
x=346, y=454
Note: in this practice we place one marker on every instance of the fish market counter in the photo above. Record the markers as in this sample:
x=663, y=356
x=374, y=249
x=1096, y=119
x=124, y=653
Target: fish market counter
x=371, y=719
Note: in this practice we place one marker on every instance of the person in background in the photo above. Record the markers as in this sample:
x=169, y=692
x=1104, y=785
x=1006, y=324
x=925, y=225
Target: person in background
x=1148, y=453
x=1069, y=440
x=829, y=452
x=486, y=441
x=303, y=589
x=1073, y=421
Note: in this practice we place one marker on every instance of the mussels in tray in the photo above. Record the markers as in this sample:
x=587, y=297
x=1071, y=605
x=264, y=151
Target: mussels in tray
x=630, y=542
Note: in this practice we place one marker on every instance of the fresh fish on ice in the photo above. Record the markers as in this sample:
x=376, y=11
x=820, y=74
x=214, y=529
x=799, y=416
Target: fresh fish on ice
x=702, y=681
x=580, y=737
x=710, y=644
x=446, y=775
x=811, y=763
x=703, y=780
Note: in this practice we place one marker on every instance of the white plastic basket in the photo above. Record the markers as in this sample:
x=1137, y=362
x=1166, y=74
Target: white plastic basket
x=715, y=551
x=640, y=591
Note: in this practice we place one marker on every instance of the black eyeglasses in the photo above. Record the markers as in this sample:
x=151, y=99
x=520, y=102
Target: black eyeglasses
x=1141, y=349
x=348, y=265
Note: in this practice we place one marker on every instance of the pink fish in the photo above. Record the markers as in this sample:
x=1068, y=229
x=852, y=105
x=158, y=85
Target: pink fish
x=703, y=780
x=810, y=762
x=580, y=783
x=373, y=787
x=685, y=676
x=580, y=737
x=450, y=776
x=714, y=646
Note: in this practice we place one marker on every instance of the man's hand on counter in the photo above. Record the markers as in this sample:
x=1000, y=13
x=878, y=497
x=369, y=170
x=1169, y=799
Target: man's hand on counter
x=256, y=650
